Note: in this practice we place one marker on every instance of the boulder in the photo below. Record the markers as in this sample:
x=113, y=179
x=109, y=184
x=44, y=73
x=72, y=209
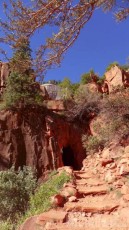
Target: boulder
x=105, y=162
x=109, y=177
x=125, y=190
x=68, y=192
x=29, y=224
x=124, y=170
x=126, y=151
x=44, y=92
x=54, y=216
x=58, y=200
x=114, y=78
x=4, y=74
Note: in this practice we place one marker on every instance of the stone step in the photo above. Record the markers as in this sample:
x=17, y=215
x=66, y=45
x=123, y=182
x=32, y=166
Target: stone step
x=90, y=181
x=29, y=224
x=54, y=216
x=83, y=175
x=50, y=226
x=39, y=221
x=91, y=205
x=73, y=227
x=93, y=190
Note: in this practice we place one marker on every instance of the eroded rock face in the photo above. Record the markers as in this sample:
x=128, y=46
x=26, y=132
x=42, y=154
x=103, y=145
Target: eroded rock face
x=116, y=77
x=36, y=138
x=4, y=73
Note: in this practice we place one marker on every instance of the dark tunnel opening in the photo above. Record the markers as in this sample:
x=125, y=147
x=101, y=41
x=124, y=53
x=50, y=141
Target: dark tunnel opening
x=68, y=157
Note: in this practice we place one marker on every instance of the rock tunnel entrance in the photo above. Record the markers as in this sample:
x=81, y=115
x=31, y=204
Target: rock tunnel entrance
x=68, y=157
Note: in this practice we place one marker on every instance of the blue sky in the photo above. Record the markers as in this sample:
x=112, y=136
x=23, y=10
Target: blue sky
x=101, y=42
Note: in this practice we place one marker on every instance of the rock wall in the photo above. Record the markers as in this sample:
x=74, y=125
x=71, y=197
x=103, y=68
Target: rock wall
x=116, y=77
x=4, y=73
x=36, y=138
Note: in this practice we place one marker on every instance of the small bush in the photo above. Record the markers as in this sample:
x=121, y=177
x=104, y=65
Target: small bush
x=40, y=201
x=6, y=225
x=15, y=191
x=91, y=143
x=112, y=65
x=112, y=122
x=86, y=105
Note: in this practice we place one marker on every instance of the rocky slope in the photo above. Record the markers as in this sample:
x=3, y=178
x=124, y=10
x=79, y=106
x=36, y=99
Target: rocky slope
x=97, y=199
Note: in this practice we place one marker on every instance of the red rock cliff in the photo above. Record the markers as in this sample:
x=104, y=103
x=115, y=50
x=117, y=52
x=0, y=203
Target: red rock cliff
x=40, y=139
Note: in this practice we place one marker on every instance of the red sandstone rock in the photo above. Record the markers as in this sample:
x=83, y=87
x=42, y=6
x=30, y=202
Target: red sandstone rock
x=67, y=169
x=29, y=224
x=125, y=189
x=123, y=161
x=124, y=170
x=106, y=161
x=109, y=177
x=114, y=78
x=54, y=216
x=126, y=197
x=91, y=206
x=113, y=166
x=95, y=190
x=126, y=151
x=118, y=183
x=69, y=191
x=24, y=140
x=58, y=200
x=69, y=185
x=72, y=199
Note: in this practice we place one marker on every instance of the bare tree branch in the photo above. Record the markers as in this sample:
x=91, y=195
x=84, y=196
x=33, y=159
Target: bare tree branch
x=69, y=16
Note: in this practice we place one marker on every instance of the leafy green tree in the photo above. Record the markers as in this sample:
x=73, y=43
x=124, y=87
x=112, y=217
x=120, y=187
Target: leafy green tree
x=21, y=90
x=87, y=77
x=15, y=191
x=66, y=89
x=66, y=83
x=21, y=62
x=101, y=79
x=21, y=87
x=74, y=88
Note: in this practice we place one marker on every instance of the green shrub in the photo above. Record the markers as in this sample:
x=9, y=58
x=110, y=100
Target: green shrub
x=21, y=89
x=91, y=143
x=87, y=77
x=6, y=225
x=40, y=201
x=68, y=89
x=86, y=105
x=112, y=65
x=15, y=191
x=112, y=122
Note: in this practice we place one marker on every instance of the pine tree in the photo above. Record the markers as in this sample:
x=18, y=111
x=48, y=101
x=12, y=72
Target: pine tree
x=21, y=60
x=21, y=87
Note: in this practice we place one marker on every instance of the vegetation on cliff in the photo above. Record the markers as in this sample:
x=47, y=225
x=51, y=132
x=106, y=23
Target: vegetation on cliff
x=16, y=187
x=19, y=197
x=21, y=88
x=111, y=120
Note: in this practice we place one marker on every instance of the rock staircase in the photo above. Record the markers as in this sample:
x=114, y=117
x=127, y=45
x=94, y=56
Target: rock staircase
x=100, y=199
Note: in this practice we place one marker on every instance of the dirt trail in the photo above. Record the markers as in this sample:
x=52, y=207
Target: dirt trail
x=101, y=201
